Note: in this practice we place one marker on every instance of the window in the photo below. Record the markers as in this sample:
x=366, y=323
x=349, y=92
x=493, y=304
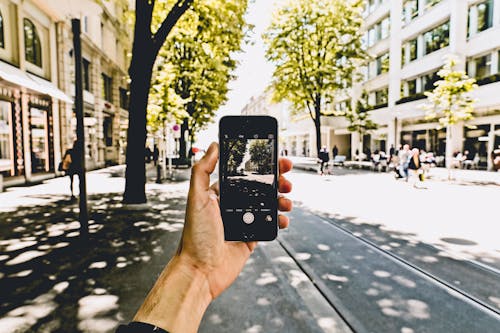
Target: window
x=410, y=11
x=413, y=49
x=108, y=131
x=86, y=74
x=429, y=80
x=431, y=3
x=382, y=63
x=381, y=96
x=2, y=41
x=385, y=27
x=412, y=87
x=123, y=98
x=39, y=140
x=5, y=131
x=484, y=15
x=483, y=66
x=107, y=87
x=437, y=38
x=32, y=46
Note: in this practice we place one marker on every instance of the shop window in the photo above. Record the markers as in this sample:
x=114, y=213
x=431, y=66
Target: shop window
x=437, y=38
x=2, y=40
x=39, y=140
x=123, y=98
x=107, y=87
x=108, y=131
x=6, y=158
x=32, y=45
x=86, y=74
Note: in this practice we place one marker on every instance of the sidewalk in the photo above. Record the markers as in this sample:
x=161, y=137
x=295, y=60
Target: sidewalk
x=52, y=281
x=441, y=174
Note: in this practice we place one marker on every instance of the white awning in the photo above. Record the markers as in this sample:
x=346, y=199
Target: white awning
x=17, y=76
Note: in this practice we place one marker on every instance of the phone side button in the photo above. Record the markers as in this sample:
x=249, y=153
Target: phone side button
x=248, y=218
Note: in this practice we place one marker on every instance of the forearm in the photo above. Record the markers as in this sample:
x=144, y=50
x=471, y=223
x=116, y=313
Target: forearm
x=178, y=299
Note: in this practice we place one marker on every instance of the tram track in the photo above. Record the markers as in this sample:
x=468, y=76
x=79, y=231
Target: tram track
x=347, y=311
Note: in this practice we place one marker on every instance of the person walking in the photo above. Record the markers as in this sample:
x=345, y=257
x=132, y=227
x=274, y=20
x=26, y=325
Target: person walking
x=71, y=165
x=324, y=158
x=415, y=166
x=156, y=154
x=335, y=151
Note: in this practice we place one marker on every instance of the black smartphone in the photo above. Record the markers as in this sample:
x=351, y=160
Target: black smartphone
x=248, y=177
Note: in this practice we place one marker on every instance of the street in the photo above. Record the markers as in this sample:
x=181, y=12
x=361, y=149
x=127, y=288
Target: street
x=363, y=253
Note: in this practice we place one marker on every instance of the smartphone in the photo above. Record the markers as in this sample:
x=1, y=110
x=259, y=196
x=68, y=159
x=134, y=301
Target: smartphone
x=248, y=177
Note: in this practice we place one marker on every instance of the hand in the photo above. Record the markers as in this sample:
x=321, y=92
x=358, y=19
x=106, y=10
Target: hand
x=202, y=245
x=204, y=265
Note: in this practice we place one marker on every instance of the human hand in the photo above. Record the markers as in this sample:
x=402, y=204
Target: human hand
x=205, y=264
x=202, y=245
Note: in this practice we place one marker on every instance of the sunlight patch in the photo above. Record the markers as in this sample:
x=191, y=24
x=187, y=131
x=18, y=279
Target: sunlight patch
x=381, y=274
x=303, y=256
x=96, y=305
x=263, y=301
x=20, y=245
x=326, y=322
x=335, y=278
x=24, y=257
x=266, y=278
x=323, y=247
x=98, y=264
x=215, y=319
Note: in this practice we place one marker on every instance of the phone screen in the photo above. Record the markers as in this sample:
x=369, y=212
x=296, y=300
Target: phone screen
x=248, y=186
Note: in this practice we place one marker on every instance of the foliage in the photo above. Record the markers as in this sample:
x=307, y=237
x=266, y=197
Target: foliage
x=358, y=118
x=234, y=154
x=261, y=155
x=450, y=101
x=196, y=62
x=316, y=46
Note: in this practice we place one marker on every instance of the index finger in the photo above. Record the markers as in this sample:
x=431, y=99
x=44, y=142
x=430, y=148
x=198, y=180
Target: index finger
x=285, y=165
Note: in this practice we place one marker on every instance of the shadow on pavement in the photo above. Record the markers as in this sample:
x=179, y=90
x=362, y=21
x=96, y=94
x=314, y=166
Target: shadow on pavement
x=52, y=280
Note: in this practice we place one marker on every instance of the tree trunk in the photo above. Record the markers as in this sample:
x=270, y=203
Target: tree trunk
x=449, y=152
x=182, y=142
x=135, y=174
x=317, y=124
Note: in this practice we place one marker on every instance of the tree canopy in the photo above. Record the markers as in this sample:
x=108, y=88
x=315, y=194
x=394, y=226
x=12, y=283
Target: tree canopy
x=316, y=46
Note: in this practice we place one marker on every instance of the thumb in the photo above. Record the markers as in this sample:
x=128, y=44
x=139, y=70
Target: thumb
x=200, y=173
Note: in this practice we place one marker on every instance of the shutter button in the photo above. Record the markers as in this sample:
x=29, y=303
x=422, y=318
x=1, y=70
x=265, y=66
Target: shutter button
x=248, y=218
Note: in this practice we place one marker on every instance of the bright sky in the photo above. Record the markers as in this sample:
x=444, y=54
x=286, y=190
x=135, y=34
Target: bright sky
x=253, y=72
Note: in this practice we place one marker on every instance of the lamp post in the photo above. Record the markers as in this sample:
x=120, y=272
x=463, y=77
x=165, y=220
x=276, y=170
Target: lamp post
x=80, y=135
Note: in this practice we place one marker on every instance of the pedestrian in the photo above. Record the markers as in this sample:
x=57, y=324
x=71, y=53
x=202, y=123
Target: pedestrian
x=392, y=150
x=403, y=157
x=335, y=151
x=156, y=154
x=204, y=264
x=324, y=158
x=147, y=155
x=415, y=166
x=71, y=164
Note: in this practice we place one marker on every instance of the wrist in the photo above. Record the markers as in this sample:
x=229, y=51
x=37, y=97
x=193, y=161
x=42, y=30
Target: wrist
x=178, y=299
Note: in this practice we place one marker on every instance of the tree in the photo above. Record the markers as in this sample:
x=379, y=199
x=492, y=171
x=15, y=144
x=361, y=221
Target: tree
x=261, y=155
x=316, y=45
x=359, y=121
x=450, y=101
x=200, y=51
x=145, y=48
x=233, y=154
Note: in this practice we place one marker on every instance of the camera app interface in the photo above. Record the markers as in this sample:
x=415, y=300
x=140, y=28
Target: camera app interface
x=249, y=179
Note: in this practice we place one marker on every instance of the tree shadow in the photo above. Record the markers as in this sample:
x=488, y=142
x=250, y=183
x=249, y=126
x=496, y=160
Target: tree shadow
x=54, y=280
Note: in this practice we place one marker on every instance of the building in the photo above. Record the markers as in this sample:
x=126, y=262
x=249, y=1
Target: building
x=408, y=40
x=37, y=122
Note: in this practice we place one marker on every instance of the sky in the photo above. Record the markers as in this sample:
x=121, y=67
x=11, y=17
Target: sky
x=253, y=72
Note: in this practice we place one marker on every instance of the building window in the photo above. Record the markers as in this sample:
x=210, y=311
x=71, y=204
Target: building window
x=107, y=87
x=2, y=40
x=437, y=38
x=32, y=45
x=6, y=158
x=410, y=11
x=124, y=98
x=429, y=80
x=483, y=66
x=381, y=96
x=385, y=28
x=382, y=63
x=412, y=48
x=409, y=88
x=108, y=131
x=86, y=74
x=431, y=3
x=39, y=140
x=480, y=17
